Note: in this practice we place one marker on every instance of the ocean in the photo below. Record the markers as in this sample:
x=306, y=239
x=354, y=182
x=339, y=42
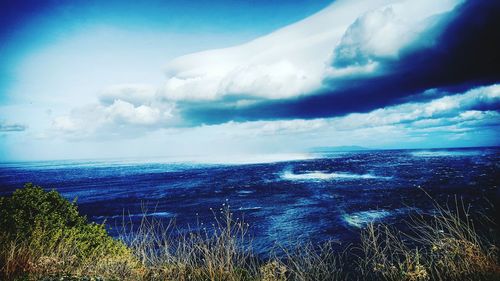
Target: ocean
x=327, y=197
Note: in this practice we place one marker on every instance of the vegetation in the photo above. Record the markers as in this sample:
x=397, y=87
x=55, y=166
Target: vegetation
x=43, y=237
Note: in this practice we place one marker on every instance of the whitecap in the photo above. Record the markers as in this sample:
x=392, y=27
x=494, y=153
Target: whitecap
x=243, y=192
x=360, y=219
x=445, y=153
x=155, y=214
x=320, y=176
x=249, y=208
x=160, y=214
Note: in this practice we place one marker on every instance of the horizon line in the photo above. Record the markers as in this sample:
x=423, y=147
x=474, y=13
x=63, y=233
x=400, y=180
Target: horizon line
x=189, y=159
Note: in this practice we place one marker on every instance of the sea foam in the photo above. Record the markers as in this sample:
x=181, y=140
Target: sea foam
x=445, y=153
x=321, y=176
x=360, y=219
x=139, y=215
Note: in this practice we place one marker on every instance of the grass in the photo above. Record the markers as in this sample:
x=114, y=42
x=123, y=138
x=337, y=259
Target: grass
x=443, y=246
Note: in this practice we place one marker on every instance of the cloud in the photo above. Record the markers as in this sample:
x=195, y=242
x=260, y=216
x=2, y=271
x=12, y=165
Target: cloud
x=477, y=104
x=376, y=35
x=123, y=110
x=11, y=127
x=293, y=61
x=385, y=32
x=362, y=64
x=363, y=57
x=287, y=63
x=136, y=94
x=472, y=110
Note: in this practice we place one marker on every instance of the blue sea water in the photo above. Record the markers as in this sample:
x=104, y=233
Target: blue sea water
x=330, y=196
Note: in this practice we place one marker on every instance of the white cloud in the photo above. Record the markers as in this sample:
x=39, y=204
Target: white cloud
x=384, y=32
x=282, y=78
x=136, y=94
x=123, y=110
x=65, y=124
x=294, y=60
x=377, y=34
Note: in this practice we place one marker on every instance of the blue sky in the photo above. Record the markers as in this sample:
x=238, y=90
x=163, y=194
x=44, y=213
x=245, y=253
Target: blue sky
x=91, y=79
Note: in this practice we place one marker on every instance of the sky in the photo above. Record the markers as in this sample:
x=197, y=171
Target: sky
x=227, y=79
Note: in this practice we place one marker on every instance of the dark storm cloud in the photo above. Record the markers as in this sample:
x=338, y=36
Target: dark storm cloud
x=465, y=55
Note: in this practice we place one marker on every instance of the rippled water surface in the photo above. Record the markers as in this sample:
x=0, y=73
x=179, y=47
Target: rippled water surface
x=329, y=197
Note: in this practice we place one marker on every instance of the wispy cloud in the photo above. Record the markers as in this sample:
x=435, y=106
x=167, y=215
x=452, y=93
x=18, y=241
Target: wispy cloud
x=11, y=127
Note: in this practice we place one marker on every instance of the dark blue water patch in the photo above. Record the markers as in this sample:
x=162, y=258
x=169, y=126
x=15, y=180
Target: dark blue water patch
x=330, y=197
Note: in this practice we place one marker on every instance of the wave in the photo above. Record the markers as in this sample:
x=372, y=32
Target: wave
x=249, y=208
x=155, y=214
x=446, y=153
x=244, y=192
x=319, y=176
x=360, y=219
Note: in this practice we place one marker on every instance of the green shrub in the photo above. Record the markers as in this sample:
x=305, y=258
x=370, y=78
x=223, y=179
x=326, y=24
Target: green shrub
x=43, y=233
x=32, y=206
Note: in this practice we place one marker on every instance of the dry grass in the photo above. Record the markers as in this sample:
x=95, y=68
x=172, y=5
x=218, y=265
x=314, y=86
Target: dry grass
x=35, y=260
x=445, y=246
x=311, y=262
x=218, y=252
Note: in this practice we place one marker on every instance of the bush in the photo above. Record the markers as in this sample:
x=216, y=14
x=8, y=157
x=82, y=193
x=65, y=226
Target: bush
x=32, y=207
x=41, y=233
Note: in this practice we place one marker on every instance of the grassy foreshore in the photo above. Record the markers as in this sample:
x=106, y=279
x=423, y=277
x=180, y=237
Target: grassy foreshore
x=43, y=237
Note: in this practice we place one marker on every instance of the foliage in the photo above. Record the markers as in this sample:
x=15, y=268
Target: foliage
x=43, y=233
